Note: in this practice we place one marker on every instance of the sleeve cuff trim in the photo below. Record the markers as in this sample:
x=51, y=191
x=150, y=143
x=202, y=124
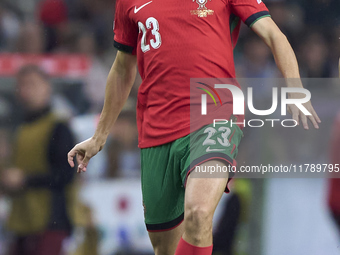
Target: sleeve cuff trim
x=122, y=47
x=255, y=17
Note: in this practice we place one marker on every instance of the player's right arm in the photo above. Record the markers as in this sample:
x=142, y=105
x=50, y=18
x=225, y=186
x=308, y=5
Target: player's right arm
x=286, y=61
x=119, y=83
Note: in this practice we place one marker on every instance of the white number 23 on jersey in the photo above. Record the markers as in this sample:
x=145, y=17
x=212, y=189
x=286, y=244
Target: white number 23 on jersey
x=151, y=23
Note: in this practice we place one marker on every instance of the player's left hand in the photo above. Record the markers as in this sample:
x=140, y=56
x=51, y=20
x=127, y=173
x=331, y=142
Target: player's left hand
x=297, y=114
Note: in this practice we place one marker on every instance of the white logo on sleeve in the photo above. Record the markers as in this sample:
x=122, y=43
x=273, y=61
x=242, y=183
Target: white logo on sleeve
x=138, y=9
x=259, y=1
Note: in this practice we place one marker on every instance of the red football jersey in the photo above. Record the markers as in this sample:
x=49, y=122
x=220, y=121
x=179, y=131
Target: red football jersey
x=176, y=40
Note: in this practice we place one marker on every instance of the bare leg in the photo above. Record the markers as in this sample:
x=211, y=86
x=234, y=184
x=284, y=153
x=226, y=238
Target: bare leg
x=165, y=243
x=201, y=198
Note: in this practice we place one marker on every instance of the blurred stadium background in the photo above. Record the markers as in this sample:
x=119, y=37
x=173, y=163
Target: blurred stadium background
x=72, y=40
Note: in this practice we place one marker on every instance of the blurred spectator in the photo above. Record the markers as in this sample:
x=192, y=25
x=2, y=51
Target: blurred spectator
x=314, y=56
x=289, y=18
x=9, y=28
x=39, y=183
x=86, y=233
x=53, y=15
x=53, y=12
x=334, y=48
x=95, y=81
x=31, y=39
x=123, y=153
x=4, y=148
x=26, y=8
x=98, y=16
x=321, y=13
x=257, y=61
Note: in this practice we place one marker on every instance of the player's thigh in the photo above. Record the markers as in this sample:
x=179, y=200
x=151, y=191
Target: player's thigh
x=204, y=193
x=210, y=166
x=201, y=198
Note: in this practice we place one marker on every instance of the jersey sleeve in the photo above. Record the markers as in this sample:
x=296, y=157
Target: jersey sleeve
x=125, y=30
x=249, y=11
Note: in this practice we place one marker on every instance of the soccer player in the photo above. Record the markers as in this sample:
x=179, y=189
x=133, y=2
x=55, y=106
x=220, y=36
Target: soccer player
x=173, y=41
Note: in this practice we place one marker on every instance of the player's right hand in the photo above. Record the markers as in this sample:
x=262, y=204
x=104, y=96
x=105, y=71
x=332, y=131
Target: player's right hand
x=297, y=114
x=83, y=152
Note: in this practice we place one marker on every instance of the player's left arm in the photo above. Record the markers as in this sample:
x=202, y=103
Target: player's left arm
x=286, y=62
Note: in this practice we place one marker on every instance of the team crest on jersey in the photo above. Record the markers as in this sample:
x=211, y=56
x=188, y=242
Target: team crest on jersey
x=202, y=11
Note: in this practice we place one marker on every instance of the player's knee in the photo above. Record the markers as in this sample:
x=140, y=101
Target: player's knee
x=198, y=219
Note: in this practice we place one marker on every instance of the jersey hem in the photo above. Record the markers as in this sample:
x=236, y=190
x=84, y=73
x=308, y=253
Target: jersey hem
x=175, y=135
x=169, y=138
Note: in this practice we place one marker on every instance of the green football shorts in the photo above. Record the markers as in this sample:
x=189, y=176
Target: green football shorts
x=165, y=169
